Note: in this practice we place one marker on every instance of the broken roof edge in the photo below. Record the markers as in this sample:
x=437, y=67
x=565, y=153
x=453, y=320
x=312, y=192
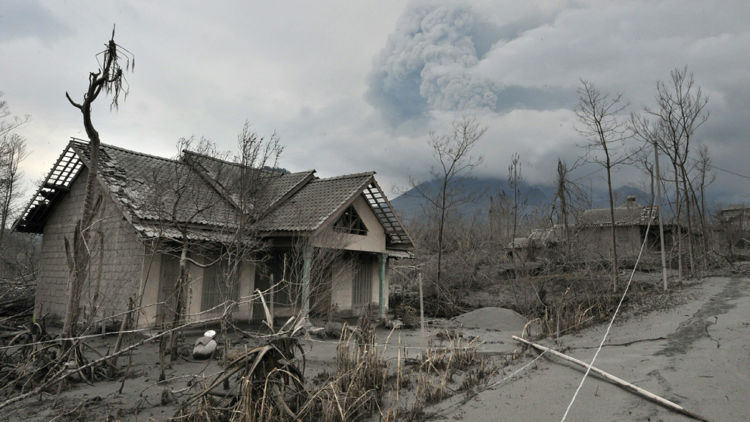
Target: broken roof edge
x=346, y=176
x=410, y=245
x=38, y=197
x=78, y=141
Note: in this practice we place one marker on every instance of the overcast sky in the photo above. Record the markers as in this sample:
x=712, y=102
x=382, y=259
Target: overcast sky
x=352, y=86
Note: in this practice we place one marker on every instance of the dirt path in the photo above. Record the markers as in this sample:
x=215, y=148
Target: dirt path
x=696, y=354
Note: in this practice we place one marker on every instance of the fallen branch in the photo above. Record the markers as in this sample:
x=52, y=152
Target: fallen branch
x=617, y=381
x=103, y=359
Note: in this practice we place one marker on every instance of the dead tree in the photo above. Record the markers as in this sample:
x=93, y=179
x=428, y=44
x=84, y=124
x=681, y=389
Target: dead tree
x=12, y=152
x=452, y=154
x=172, y=202
x=242, y=182
x=598, y=114
x=650, y=133
x=680, y=110
x=703, y=179
x=514, y=182
x=568, y=197
x=8, y=121
x=110, y=78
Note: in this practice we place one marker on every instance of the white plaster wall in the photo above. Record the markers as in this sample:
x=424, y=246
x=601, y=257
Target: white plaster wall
x=246, y=287
x=195, y=287
x=373, y=241
x=150, y=277
x=375, y=284
x=341, y=289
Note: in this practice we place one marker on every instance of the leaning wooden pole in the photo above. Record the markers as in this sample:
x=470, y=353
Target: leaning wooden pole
x=661, y=226
x=617, y=381
x=421, y=305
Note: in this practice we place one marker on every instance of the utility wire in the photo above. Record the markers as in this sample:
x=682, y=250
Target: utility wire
x=609, y=327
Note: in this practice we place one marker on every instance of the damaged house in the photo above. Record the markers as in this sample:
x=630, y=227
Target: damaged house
x=326, y=242
x=593, y=230
x=734, y=227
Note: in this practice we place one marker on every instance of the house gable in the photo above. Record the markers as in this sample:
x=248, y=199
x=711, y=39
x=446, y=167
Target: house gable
x=372, y=241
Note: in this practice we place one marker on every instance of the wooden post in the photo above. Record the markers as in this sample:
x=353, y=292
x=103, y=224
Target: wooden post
x=661, y=226
x=421, y=304
x=306, y=269
x=271, y=299
x=617, y=381
x=383, y=258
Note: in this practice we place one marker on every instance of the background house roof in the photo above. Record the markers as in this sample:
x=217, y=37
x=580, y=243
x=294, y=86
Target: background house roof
x=628, y=214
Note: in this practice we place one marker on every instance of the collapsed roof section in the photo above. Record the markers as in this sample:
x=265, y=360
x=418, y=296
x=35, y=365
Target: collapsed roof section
x=55, y=185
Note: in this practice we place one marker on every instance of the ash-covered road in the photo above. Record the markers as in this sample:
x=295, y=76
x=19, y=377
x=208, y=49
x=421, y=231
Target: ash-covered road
x=696, y=354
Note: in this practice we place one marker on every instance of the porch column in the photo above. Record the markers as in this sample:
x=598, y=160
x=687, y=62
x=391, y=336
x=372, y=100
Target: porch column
x=383, y=258
x=306, y=264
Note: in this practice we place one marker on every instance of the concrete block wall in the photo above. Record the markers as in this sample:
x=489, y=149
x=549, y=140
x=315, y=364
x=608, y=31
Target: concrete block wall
x=120, y=253
x=597, y=242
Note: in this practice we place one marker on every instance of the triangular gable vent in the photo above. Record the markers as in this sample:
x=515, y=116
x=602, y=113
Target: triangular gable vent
x=350, y=222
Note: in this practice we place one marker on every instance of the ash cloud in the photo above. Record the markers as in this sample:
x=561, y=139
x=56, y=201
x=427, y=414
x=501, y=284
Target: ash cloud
x=430, y=62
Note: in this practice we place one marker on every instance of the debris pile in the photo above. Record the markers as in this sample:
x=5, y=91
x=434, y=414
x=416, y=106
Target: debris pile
x=492, y=318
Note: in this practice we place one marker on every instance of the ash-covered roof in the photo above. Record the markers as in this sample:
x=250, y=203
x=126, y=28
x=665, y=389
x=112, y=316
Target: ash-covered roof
x=628, y=214
x=314, y=203
x=266, y=187
x=156, y=189
x=160, y=196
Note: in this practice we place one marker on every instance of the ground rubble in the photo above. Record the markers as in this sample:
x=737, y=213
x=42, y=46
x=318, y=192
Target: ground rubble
x=688, y=348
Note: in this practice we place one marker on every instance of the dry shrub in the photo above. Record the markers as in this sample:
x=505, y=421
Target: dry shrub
x=32, y=358
x=271, y=384
x=270, y=387
x=437, y=367
x=566, y=303
x=458, y=354
x=356, y=390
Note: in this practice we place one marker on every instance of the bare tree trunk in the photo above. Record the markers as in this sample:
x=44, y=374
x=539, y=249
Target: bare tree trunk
x=6, y=207
x=677, y=221
x=12, y=152
x=562, y=190
x=180, y=301
x=688, y=207
x=613, y=231
x=612, y=221
x=703, y=219
x=441, y=227
x=661, y=224
x=110, y=78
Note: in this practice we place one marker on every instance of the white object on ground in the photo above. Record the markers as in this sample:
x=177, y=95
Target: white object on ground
x=205, y=346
